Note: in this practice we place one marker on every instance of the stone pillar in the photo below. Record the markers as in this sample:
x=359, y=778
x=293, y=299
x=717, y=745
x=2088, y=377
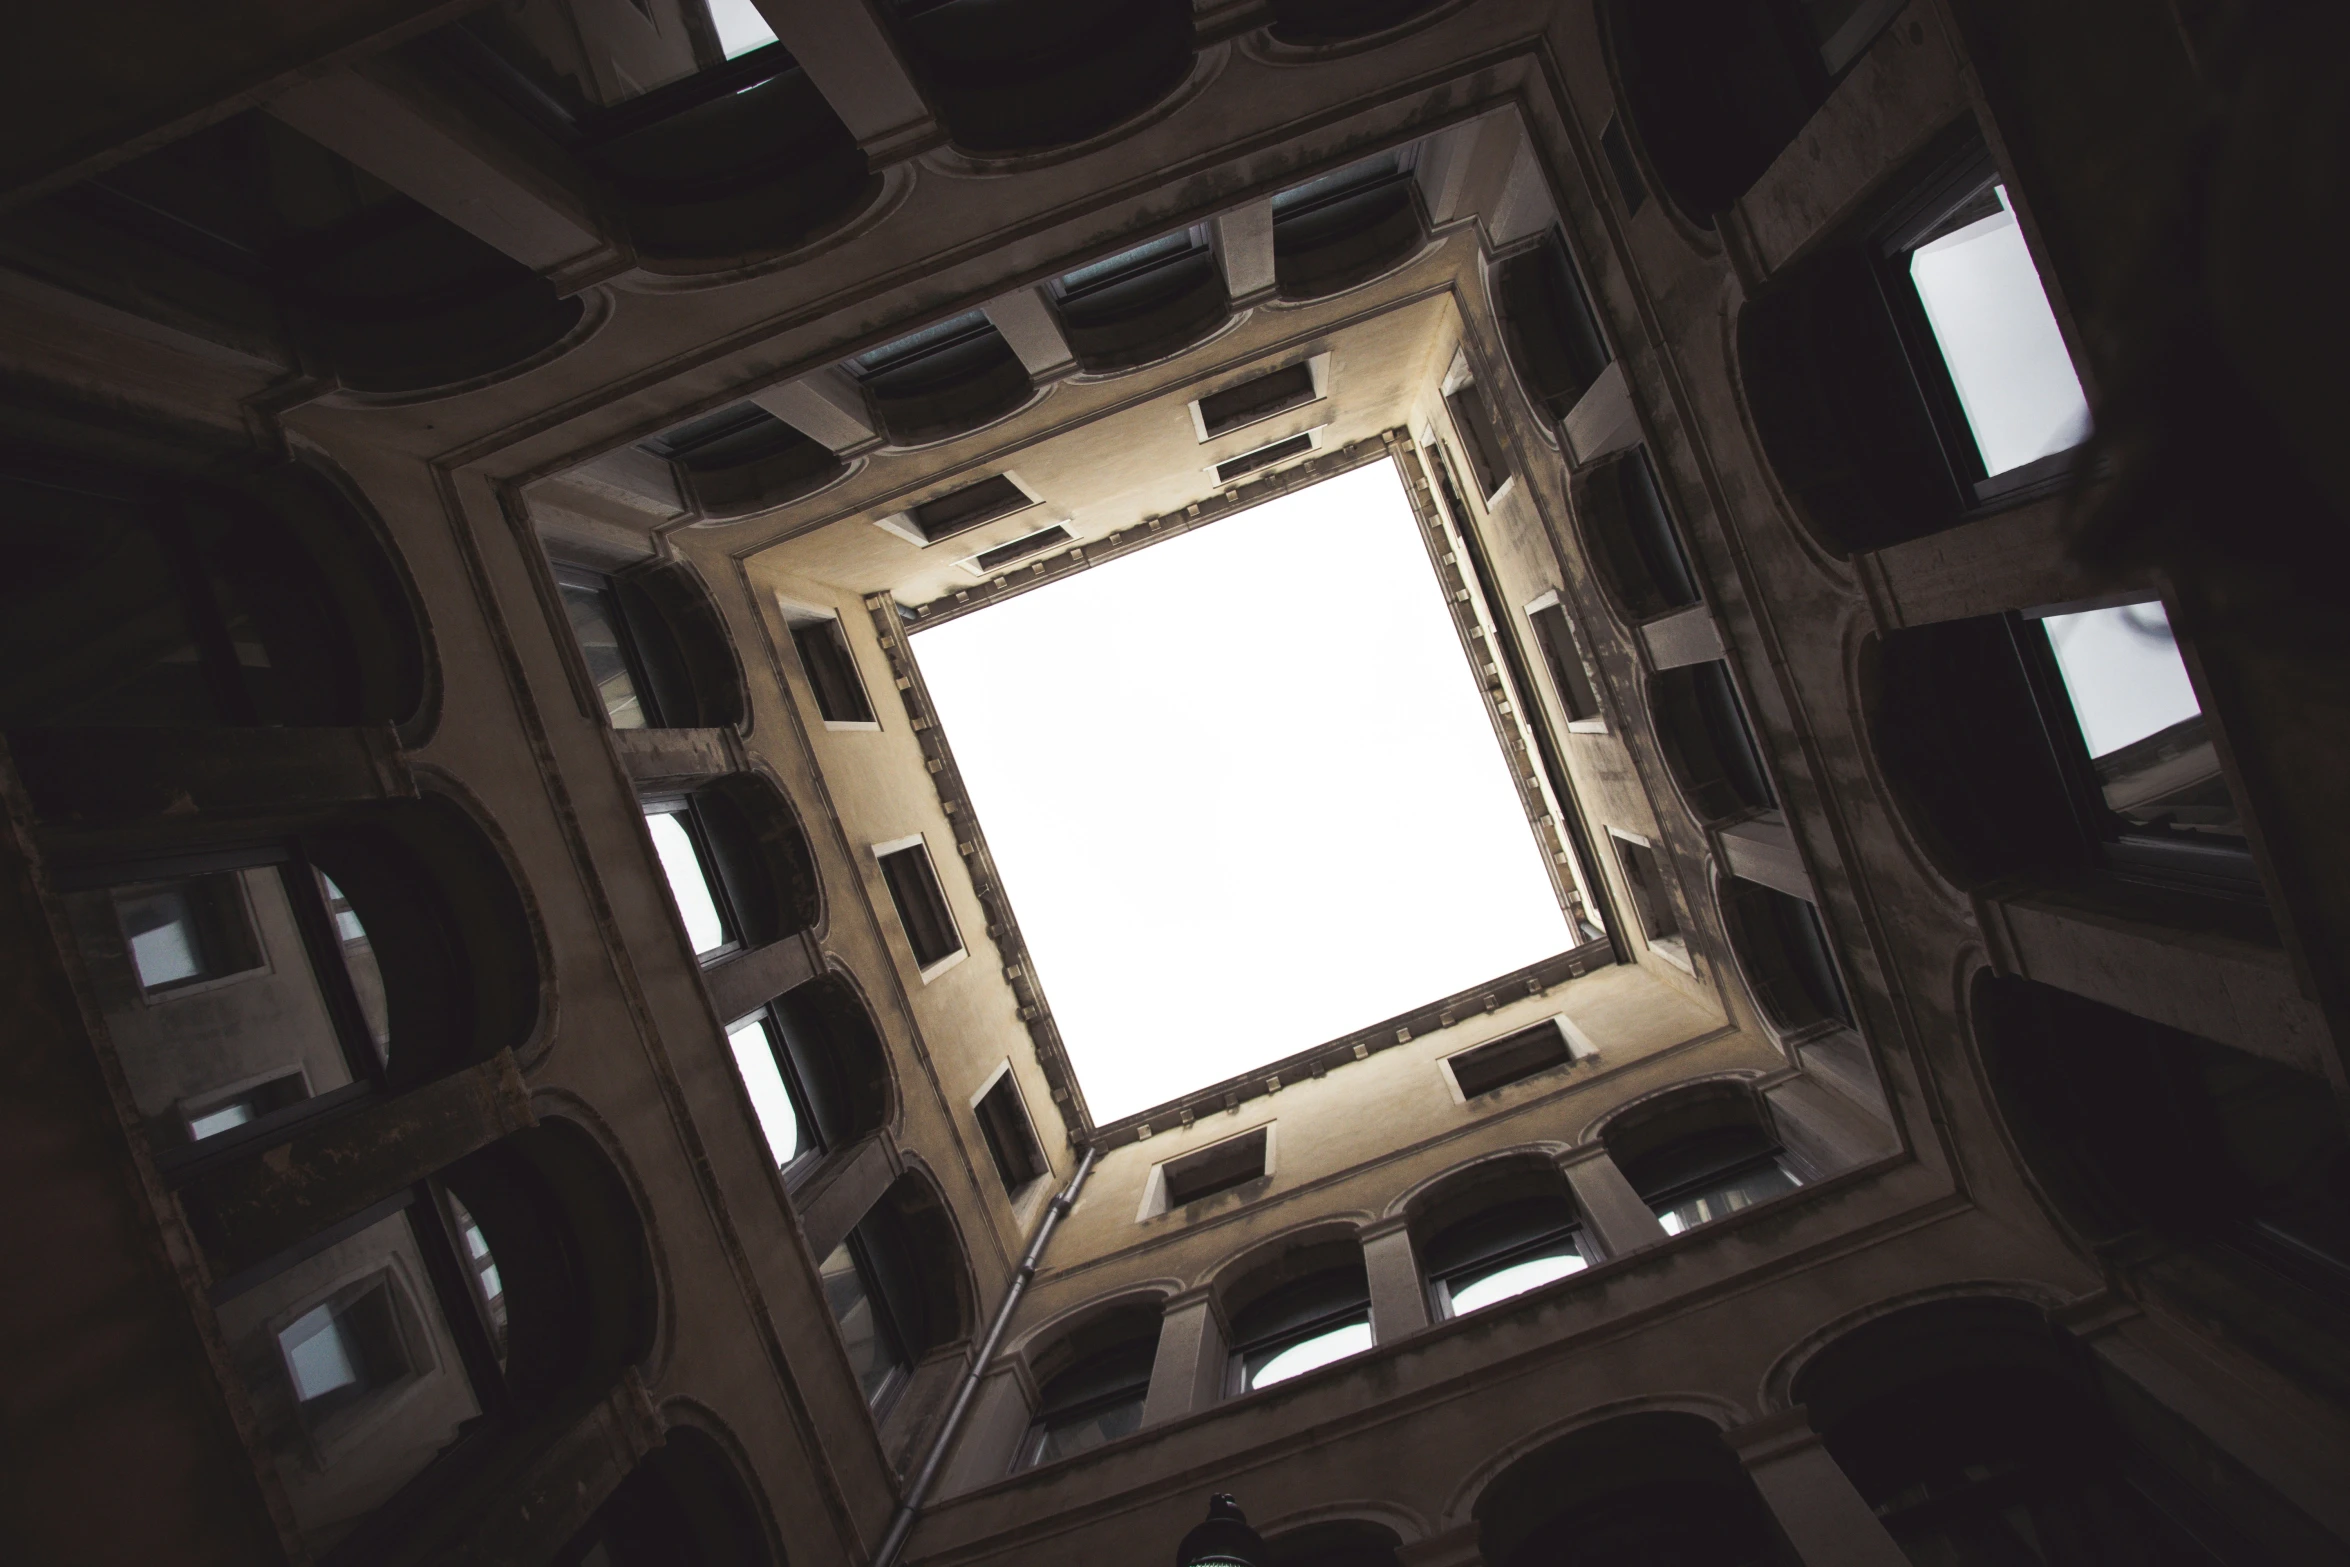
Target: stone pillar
x=855, y=66
x=1244, y=249
x=1034, y=332
x=831, y=1204
x=1818, y=1510
x=826, y=406
x=1399, y=1300
x=1189, y=1371
x=1612, y=1212
x=749, y=980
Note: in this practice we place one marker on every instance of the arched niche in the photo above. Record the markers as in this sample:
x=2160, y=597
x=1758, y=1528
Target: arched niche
x=1344, y=228
x=1627, y=1492
x=657, y=648
x=742, y=460
x=1635, y=546
x=1014, y=76
x=1143, y=305
x=1092, y=1379
x=917, y=1252
x=1312, y=23
x=148, y=597
x=943, y=380
x=1549, y=329
x=837, y=1058
x=1701, y=727
x=1782, y=949
x=2238, y=1167
x=762, y=857
x=1700, y=1153
x=1291, y=1300
x=1335, y=1542
x=685, y=1504
x=1494, y=1229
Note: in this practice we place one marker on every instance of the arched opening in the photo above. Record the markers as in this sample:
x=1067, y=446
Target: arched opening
x=1296, y=1311
x=741, y=873
x=1496, y=1231
x=2240, y=1165
x=942, y=381
x=1345, y=227
x=1635, y=546
x=1701, y=727
x=1337, y=1542
x=1551, y=333
x=1782, y=949
x=816, y=1071
x=1092, y=1383
x=1308, y=23
x=1974, y=1437
x=741, y=461
x=1143, y=304
x=684, y=1505
x=656, y=646
x=1701, y=1155
x=146, y=599
x=1629, y=1492
x=1031, y=75
x=898, y=1288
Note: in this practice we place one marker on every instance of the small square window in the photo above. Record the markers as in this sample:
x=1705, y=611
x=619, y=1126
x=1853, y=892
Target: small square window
x=1256, y=399
x=831, y=666
x=921, y=903
x=183, y=933
x=1511, y=1059
x=1203, y=1173
x=211, y=1118
x=1010, y=1137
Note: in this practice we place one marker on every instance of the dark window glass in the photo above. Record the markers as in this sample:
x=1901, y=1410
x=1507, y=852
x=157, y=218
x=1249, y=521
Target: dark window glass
x=1553, y=335
x=1263, y=457
x=852, y=1290
x=1644, y=880
x=1784, y=948
x=1508, y=1249
x=1702, y=728
x=959, y=511
x=1634, y=541
x=1011, y=1140
x=930, y=342
x=1022, y=547
x=1261, y=397
x=1344, y=227
x=1125, y=267
x=1301, y=1326
x=832, y=671
x=1513, y=1058
x=1094, y=1402
x=921, y=904
x=1567, y=674
x=1196, y=1176
x=1479, y=442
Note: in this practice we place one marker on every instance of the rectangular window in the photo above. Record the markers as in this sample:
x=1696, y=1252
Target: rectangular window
x=339, y=1352
x=1011, y=1140
x=1510, y=1059
x=1568, y=676
x=831, y=666
x=1479, y=441
x=1644, y=879
x=693, y=884
x=959, y=511
x=1020, y=549
x=1263, y=457
x=601, y=630
x=921, y=904
x=849, y=1289
x=186, y=932
x=1202, y=1174
x=775, y=1094
x=1275, y=392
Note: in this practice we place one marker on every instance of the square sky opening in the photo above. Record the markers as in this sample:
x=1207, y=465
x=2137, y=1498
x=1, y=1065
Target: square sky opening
x=1243, y=792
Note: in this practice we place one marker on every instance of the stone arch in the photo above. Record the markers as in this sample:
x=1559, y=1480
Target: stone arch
x=1047, y=74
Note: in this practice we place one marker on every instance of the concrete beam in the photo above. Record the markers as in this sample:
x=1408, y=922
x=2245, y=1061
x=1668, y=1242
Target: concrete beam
x=85, y=777
x=825, y=406
x=1399, y=1300
x=2010, y=560
x=743, y=983
x=853, y=63
x=1243, y=243
x=1603, y=421
x=674, y=756
x=1612, y=1212
x=1762, y=850
x=1188, y=1372
x=1690, y=637
x=831, y=1205
x=1034, y=332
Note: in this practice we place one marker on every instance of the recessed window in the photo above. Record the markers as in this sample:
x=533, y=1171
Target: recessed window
x=1301, y=1327
x=1473, y=421
x=1553, y=336
x=921, y=903
x=959, y=511
x=683, y=845
x=1702, y=729
x=481, y=1267
x=743, y=460
x=946, y=379
x=853, y=1291
x=1511, y=1059
x=1142, y=304
x=1345, y=227
x=1644, y=879
x=1010, y=1138
x=1503, y=1252
x=1784, y=950
x=1723, y=1163
x=2145, y=733
x=831, y=667
x=186, y=932
x=1095, y=1402
x=1258, y=398
x=597, y=625
x=1578, y=698
x=776, y=1097
x=1723, y=1194
x=339, y=1352
x=1019, y=549
x=1206, y=1172
x=1263, y=457
x=1635, y=545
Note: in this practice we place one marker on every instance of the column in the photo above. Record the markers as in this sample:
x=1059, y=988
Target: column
x=1244, y=249
x=825, y=406
x=1034, y=332
x=1823, y=1517
x=1188, y=1373
x=1612, y=1211
x=855, y=66
x=1399, y=1300
x=830, y=1208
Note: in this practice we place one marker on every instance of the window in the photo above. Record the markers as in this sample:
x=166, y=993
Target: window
x=1634, y=543
x=339, y=1352
x=921, y=903
x=1205, y=1172
x=1578, y=698
x=1263, y=457
x=771, y=1079
x=743, y=460
x=1345, y=227
x=481, y=1266
x=943, y=380
x=1616, y=148
x=1554, y=338
x=186, y=932
x=851, y=1290
x=1701, y=727
x=1019, y=549
x=601, y=631
x=1784, y=950
x=959, y=511
x=1503, y=1252
x=1094, y=1402
x=1010, y=1138
x=1511, y=1059
x=1258, y=398
x=1141, y=304
x=1473, y=422
x=682, y=843
x=1301, y=1326
x=1644, y=879
x=831, y=666
x=1709, y=1174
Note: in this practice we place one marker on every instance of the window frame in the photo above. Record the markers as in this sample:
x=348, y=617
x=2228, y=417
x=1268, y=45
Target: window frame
x=688, y=811
x=883, y=854
x=814, y=1145
x=1479, y=439
x=886, y=1330
x=1552, y=603
x=1048, y=1419
x=1442, y=1285
x=1240, y=1377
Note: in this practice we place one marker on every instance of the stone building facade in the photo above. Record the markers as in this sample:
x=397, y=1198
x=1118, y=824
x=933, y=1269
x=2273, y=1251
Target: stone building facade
x=518, y=1048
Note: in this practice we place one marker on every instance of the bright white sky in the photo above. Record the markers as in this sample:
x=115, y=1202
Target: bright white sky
x=1242, y=791
x=2123, y=672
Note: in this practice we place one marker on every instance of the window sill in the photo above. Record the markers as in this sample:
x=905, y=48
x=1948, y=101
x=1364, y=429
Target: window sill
x=1675, y=950
x=943, y=964
x=840, y=726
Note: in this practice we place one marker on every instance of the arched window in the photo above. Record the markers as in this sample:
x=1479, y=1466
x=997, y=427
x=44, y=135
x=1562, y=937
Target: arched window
x=1300, y=1312
x=944, y=380
x=138, y=599
x=898, y=1288
x=816, y=1071
x=1636, y=549
x=1975, y=1438
x=1092, y=1384
x=1548, y=326
x=1911, y=373
x=1782, y=948
x=1036, y=74
x=655, y=647
x=684, y=1505
x=1142, y=304
x=257, y=230
x=1499, y=1232
x=1629, y=1492
x=1701, y=727
x=740, y=871
x=742, y=460
x=1345, y=227
x=1312, y=22
x=1699, y=1156
x=716, y=145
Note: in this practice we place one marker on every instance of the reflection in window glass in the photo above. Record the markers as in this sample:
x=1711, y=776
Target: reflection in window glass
x=754, y=1057
x=1474, y=1291
x=1310, y=1354
x=740, y=27
x=1992, y=322
x=1725, y=1197
x=871, y=1354
x=2138, y=716
x=181, y=932
x=343, y=1349
x=163, y=938
x=689, y=882
x=225, y=1118
x=595, y=623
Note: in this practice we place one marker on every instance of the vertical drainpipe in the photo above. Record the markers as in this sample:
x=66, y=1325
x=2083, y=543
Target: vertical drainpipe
x=901, y=1523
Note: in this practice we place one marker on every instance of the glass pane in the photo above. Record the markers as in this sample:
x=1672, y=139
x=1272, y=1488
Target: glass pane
x=689, y=883
x=2139, y=717
x=1473, y=1292
x=209, y=998
x=595, y=622
x=1736, y=1192
x=871, y=1356
x=1992, y=322
x=488, y=1286
x=1320, y=1350
x=740, y=27
x=754, y=1057
x=1086, y=1432
x=367, y=977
